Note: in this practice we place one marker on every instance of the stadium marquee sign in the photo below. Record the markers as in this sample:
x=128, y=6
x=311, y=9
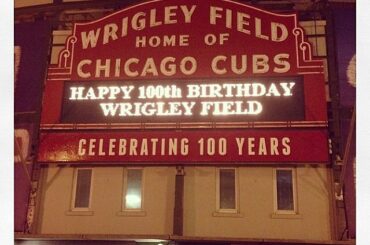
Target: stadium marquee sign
x=188, y=64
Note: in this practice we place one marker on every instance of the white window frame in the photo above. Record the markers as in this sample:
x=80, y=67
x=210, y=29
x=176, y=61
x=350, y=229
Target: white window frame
x=294, y=189
x=75, y=189
x=218, y=208
x=124, y=189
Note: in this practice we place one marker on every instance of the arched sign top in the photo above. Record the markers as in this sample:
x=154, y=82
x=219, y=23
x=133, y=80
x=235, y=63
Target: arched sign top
x=178, y=39
x=185, y=3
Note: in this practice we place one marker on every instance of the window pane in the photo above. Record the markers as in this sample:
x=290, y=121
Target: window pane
x=227, y=189
x=83, y=188
x=284, y=190
x=133, y=191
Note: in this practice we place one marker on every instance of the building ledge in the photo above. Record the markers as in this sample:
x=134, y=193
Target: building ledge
x=180, y=239
x=286, y=216
x=79, y=213
x=226, y=214
x=131, y=213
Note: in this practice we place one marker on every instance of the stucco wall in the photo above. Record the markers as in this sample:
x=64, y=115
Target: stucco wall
x=256, y=219
x=107, y=185
x=255, y=199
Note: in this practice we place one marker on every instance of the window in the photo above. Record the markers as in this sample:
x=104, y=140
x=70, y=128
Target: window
x=227, y=190
x=82, y=189
x=284, y=190
x=133, y=193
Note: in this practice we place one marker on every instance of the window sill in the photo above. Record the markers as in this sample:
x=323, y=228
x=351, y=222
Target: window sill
x=79, y=213
x=226, y=214
x=133, y=213
x=286, y=216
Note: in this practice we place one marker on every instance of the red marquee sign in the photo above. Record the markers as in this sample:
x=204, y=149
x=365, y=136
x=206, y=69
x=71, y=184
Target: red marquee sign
x=187, y=39
x=186, y=62
x=187, y=146
x=173, y=40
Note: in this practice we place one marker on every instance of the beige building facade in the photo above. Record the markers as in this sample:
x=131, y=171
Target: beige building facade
x=180, y=201
x=255, y=216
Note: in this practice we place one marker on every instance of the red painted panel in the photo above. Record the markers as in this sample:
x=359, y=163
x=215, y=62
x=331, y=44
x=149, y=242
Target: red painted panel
x=315, y=98
x=52, y=102
x=187, y=146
